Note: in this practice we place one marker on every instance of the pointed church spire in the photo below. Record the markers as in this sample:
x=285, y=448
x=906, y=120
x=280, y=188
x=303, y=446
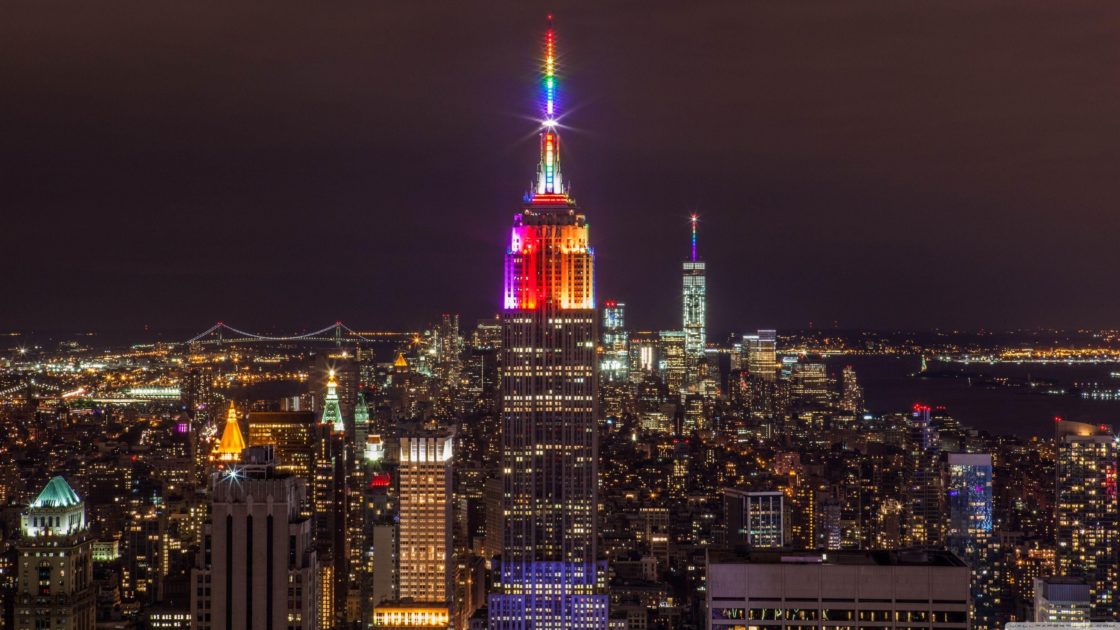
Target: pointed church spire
x=549, y=180
x=232, y=443
x=332, y=413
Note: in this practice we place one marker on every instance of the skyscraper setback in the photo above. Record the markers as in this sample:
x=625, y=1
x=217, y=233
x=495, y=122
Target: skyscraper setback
x=550, y=575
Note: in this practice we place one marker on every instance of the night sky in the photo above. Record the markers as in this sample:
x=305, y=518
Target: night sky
x=280, y=165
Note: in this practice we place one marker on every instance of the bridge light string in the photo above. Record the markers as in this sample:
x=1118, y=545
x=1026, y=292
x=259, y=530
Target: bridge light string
x=334, y=326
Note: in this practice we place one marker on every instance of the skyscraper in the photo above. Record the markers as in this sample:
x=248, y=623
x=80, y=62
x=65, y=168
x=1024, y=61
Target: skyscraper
x=290, y=434
x=762, y=354
x=968, y=493
x=426, y=558
x=55, y=566
x=550, y=575
x=694, y=315
x=615, y=365
x=330, y=502
x=755, y=519
x=673, y=359
x=256, y=569
x=1086, y=519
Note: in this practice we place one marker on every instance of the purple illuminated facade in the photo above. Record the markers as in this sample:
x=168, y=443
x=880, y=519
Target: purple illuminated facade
x=550, y=575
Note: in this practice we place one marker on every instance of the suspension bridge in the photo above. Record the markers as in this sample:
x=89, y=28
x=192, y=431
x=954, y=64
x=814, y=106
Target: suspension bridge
x=338, y=333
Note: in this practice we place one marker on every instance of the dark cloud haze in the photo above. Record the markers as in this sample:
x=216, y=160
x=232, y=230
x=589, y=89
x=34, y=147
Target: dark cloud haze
x=875, y=164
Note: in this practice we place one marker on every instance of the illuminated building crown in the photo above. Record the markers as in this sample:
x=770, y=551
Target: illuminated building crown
x=549, y=262
x=232, y=443
x=332, y=413
x=57, y=511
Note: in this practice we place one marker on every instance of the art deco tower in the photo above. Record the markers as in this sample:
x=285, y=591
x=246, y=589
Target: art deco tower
x=550, y=575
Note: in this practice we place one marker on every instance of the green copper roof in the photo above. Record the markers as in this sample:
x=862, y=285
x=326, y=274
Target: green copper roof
x=57, y=493
x=361, y=410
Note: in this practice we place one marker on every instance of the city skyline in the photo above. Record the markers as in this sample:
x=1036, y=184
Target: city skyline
x=975, y=156
x=556, y=452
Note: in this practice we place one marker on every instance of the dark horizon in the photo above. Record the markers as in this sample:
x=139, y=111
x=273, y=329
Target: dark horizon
x=872, y=165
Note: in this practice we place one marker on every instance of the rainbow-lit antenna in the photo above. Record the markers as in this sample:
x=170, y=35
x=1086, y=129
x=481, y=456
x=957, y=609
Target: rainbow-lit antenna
x=548, y=176
x=693, y=219
x=549, y=74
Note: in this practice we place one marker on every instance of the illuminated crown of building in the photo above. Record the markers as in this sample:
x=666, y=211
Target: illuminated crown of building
x=549, y=263
x=232, y=443
x=361, y=410
x=332, y=413
x=57, y=511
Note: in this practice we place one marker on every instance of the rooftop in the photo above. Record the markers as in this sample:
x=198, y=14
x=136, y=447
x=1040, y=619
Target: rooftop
x=893, y=557
x=57, y=493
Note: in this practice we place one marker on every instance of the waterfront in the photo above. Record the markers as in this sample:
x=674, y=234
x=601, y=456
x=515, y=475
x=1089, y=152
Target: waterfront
x=889, y=386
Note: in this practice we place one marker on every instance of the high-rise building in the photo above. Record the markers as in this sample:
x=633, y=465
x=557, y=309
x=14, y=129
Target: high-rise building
x=291, y=436
x=968, y=484
x=851, y=394
x=257, y=567
x=968, y=496
x=330, y=505
x=54, y=589
x=358, y=513
x=425, y=557
x=761, y=351
x=809, y=383
x=615, y=366
x=694, y=304
x=1086, y=510
x=673, y=364
x=755, y=519
x=550, y=575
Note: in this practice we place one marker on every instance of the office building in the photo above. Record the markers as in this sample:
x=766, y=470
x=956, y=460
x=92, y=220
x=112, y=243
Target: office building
x=54, y=586
x=615, y=364
x=550, y=575
x=754, y=519
x=257, y=567
x=694, y=303
x=809, y=384
x=968, y=485
x=672, y=355
x=330, y=501
x=426, y=556
x=761, y=350
x=291, y=436
x=836, y=589
x=1061, y=600
x=1086, y=510
x=968, y=497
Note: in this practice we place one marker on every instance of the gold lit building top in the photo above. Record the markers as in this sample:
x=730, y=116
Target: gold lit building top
x=229, y=449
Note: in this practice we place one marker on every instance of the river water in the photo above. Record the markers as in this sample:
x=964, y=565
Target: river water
x=888, y=386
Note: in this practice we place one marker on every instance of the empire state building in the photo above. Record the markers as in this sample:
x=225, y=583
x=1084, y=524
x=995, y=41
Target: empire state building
x=550, y=574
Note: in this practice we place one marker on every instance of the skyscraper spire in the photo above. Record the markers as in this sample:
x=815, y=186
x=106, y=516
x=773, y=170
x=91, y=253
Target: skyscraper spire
x=693, y=219
x=232, y=443
x=549, y=181
x=332, y=413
